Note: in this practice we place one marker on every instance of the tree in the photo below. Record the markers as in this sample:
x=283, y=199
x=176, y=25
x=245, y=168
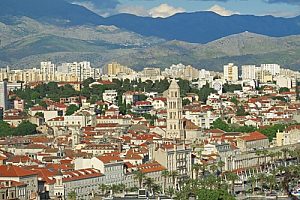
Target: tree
x=252, y=180
x=140, y=176
x=234, y=100
x=149, y=183
x=72, y=195
x=71, y=109
x=285, y=152
x=231, y=87
x=258, y=153
x=241, y=111
x=87, y=82
x=232, y=177
x=165, y=175
x=271, y=181
x=221, y=164
x=25, y=128
x=196, y=167
x=262, y=179
x=103, y=188
x=173, y=175
x=186, y=102
x=284, y=89
x=204, y=194
x=204, y=92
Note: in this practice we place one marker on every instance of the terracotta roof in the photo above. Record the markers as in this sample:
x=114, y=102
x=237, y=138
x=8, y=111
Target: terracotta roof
x=254, y=136
x=14, y=171
x=150, y=167
x=81, y=174
x=109, y=158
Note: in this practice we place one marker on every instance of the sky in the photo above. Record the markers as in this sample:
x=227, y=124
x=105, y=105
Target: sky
x=166, y=8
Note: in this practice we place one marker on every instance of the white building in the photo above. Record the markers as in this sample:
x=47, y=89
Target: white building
x=231, y=72
x=249, y=72
x=48, y=68
x=3, y=95
x=82, y=70
x=110, y=166
x=274, y=69
x=283, y=81
x=110, y=96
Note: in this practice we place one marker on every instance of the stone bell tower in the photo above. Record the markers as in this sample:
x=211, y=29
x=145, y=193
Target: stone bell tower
x=174, y=112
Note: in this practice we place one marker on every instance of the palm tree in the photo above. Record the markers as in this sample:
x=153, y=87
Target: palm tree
x=285, y=152
x=278, y=154
x=252, y=180
x=138, y=175
x=156, y=189
x=221, y=164
x=196, y=167
x=265, y=154
x=213, y=168
x=272, y=155
x=170, y=191
x=72, y=195
x=271, y=181
x=296, y=154
x=262, y=178
x=258, y=153
x=103, y=188
x=149, y=183
x=173, y=174
x=165, y=175
x=232, y=177
x=203, y=168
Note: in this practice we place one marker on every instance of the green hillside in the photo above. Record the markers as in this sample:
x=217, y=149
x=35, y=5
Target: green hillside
x=25, y=43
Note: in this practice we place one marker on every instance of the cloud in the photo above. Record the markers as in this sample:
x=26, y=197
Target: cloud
x=164, y=10
x=221, y=10
x=135, y=10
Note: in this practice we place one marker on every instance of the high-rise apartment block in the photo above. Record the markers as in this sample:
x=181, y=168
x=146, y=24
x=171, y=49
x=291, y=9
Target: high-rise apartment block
x=231, y=72
x=3, y=95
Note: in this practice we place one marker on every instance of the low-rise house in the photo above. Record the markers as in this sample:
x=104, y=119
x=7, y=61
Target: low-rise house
x=291, y=135
x=252, y=141
x=21, y=175
x=13, y=190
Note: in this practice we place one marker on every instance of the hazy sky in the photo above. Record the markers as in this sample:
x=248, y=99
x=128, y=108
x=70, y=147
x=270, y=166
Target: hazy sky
x=164, y=8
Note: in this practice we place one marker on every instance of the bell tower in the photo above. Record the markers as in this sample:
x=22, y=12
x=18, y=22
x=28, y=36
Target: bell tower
x=174, y=112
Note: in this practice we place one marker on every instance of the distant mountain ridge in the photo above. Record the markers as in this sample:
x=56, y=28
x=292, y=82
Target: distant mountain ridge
x=26, y=42
x=197, y=27
x=57, y=12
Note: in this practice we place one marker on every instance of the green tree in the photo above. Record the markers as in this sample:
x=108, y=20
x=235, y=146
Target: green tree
x=284, y=89
x=205, y=194
x=25, y=128
x=185, y=102
x=232, y=177
x=173, y=175
x=165, y=175
x=71, y=109
x=72, y=195
x=139, y=176
x=231, y=87
x=241, y=111
x=87, y=82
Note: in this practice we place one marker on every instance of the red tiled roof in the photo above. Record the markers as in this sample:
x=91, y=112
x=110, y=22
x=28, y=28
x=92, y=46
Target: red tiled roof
x=151, y=167
x=109, y=158
x=254, y=136
x=14, y=171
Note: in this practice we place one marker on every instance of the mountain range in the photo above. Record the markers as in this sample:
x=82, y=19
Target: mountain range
x=36, y=30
